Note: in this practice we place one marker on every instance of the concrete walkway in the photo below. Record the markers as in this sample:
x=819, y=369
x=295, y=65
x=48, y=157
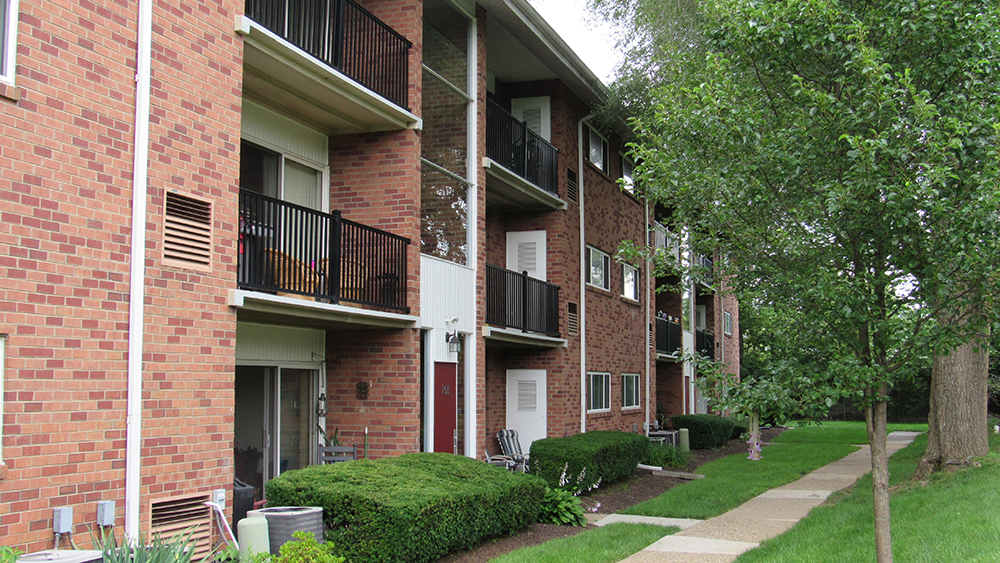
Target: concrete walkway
x=723, y=538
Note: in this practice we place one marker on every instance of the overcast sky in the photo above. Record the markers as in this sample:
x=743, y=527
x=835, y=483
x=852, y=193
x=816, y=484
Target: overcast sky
x=586, y=37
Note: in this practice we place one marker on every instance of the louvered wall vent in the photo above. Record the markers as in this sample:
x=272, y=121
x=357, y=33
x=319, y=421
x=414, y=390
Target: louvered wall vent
x=187, y=232
x=572, y=318
x=572, y=186
x=185, y=516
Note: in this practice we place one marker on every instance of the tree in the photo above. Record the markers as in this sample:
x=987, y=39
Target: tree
x=842, y=152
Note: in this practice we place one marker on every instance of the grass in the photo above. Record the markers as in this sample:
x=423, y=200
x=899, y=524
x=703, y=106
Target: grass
x=838, y=432
x=948, y=518
x=733, y=480
x=600, y=545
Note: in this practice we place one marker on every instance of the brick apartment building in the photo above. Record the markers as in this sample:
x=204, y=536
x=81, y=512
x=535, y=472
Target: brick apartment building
x=228, y=228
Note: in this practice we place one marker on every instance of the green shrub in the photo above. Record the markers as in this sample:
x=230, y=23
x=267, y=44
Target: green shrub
x=705, y=431
x=9, y=554
x=413, y=508
x=741, y=426
x=601, y=456
x=665, y=455
x=560, y=506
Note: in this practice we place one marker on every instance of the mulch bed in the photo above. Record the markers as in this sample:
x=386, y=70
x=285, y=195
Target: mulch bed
x=608, y=500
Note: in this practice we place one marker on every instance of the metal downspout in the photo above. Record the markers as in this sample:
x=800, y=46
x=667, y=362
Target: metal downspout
x=137, y=273
x=583, y=275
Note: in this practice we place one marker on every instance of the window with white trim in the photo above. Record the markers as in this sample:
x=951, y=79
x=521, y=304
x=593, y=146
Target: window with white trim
x=630, y=391
x=8, y=39
x=630, y=282
x=598, y=391
x=598, y=149
x=598, y=268
x=727, y=323
x=628, y=174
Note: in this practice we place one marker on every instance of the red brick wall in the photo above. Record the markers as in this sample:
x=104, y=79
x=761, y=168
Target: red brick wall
x=66, y=154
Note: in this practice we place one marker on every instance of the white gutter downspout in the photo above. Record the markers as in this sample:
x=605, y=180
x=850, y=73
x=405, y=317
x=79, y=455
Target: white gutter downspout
x=472, y=369
x=137, y=273
x=583, y=277
x=649, y=348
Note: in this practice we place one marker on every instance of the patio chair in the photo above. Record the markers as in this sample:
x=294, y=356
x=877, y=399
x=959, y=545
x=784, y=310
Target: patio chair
x=291, y=274
x=512, y=448
x=504, y=461
x=333, y=454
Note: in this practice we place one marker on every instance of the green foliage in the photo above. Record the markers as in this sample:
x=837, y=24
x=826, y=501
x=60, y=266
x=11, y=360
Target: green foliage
x=665, y=455
x=305, y=549
x=607, y=544
x=412, y=508
x=178, y=549
x=741, y=426
x=705, y=431
x=9, y=554
x=560, y=506
x=600, y=456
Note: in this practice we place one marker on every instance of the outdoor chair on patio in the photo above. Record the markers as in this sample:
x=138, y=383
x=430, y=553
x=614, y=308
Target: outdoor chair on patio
x=504, y=461
x=292, y=274
x=333, y=454
x=512, y=448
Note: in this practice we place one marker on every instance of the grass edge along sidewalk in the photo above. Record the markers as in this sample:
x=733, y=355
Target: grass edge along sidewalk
x=733, y=480
x=946, y=518
x=608, y=544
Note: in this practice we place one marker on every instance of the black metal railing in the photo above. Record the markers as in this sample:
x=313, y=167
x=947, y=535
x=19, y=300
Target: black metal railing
x=704, y=343
x=346, y=37
x=510, y=143
x=668, y=337
x=517, y=300
x=287, y=248
x=708, y=268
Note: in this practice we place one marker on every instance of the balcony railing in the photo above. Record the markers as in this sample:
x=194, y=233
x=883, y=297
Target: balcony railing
x=707, y=265
x=287, y=248
x=668, y=337
x=346, y=37
x=520, y=301
x=704, y=343
x=666, y=242
x=510, y=143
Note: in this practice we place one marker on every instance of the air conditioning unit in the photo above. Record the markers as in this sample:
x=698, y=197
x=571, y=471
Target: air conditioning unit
x=283, y=521
x=63, y=556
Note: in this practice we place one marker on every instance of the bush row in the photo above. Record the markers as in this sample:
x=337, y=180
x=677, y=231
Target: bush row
x=705, y=431
x=413, y=508
x=606, y=455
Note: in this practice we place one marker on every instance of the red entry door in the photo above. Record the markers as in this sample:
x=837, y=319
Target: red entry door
x=445, y=406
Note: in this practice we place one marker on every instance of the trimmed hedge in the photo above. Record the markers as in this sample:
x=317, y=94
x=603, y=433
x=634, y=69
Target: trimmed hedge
x=705, y=431
x=606, y=455
x=741, y=426
x=413, y=508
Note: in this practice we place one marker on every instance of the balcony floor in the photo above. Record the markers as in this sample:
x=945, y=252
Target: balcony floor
x=253, y=306
x=514, y=338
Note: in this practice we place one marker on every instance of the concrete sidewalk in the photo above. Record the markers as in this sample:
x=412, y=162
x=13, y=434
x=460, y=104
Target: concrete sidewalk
x=723, y=538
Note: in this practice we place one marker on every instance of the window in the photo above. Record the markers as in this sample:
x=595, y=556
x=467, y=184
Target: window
x=630, y=391
x=598, y=153
x=598, y=392
x=628, y=175
x=598, y=268
x=630, y=282
x=727, y=323
x=8, y=39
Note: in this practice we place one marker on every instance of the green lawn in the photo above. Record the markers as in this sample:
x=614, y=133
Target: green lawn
x=733, y=480
x=838, y=433
x=609, y=544
x=952, y=517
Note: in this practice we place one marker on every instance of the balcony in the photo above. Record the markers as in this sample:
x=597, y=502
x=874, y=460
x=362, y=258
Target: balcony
x=704, y=343
x=520, y=302
x=327, y=62
x=290, y=250
x=522, y=170
x=668, y=337
x=667, y=243
x=707, y=266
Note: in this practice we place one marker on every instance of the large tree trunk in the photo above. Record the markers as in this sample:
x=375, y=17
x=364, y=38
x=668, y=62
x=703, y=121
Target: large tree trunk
x=875, y=417
x=957, y=419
